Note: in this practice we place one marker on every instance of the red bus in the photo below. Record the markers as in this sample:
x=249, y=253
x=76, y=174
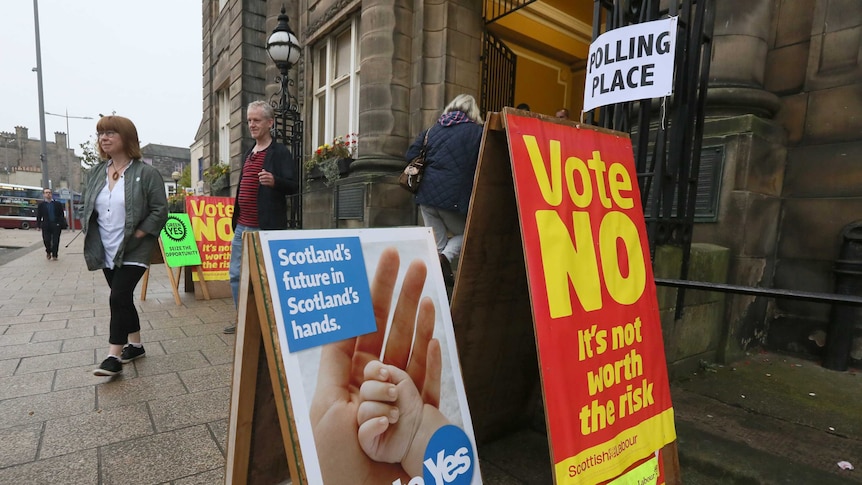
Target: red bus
x=18, y=205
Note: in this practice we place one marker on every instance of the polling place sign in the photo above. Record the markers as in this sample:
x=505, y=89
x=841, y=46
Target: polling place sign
x=598, y=332
x=630, y=63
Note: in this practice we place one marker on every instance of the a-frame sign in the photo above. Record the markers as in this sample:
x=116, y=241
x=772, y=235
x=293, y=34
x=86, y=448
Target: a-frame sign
x=260, y=441
x=555, y=252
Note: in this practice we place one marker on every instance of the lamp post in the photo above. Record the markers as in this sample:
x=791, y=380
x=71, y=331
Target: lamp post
x=68, y=136
x=38, y=70
x=176, y=176
x=284, y=49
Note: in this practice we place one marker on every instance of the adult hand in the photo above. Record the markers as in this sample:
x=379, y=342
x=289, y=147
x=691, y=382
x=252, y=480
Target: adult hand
x=336, y=399
x=266, y=178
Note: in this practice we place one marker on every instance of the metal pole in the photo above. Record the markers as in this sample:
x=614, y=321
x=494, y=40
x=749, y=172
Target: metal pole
x=68, y=160
x=69, y=152
x=44, y=155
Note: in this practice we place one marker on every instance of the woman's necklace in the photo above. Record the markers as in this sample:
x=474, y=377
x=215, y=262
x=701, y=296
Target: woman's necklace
x=117, y=171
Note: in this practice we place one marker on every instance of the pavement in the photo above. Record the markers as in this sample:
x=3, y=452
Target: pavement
x=767, y=419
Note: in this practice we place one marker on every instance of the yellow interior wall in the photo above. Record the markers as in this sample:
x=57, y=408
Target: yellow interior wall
x=546, y=85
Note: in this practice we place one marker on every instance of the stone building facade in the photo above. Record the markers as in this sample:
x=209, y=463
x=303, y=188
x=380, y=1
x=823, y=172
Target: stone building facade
x=785, y=101
x=19, y=160
x=167, y=160
x=784, y=109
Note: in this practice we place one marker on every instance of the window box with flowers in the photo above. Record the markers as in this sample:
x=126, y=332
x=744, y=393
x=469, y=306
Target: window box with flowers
x=218, y=178
x=332, y=160
x=177, y=202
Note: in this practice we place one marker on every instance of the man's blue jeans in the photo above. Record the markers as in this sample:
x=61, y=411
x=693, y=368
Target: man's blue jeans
x=236, y=260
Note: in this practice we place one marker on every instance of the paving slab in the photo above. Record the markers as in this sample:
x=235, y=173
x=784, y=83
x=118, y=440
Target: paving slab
x=119, y=393
x=162, y=364
x=190, y=409
x=7, y=367
x=26, y=385
x=161, y=458
x=19, y=444
x=59, y=360
x=42, y=407
x=205, y=378
x=94, y=429
x=78, y=468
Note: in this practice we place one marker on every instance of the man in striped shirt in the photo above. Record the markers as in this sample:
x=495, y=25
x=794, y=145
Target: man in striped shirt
x=267, y=176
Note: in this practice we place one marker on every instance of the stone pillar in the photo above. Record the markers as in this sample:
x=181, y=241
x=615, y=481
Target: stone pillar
x=384, y=99
x=417, y=56
x=739, y=122
x=740, y=46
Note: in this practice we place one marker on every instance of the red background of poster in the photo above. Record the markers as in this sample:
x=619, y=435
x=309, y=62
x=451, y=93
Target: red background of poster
x=564, y=373
x=211, y=226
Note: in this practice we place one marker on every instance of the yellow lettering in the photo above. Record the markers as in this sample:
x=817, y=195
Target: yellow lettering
x=619, y=180
x=568, y=258
x=197, y=207
x=598, y=166
x=549, y=184
x=580, y=199
x=625, y=290
x=203, y=230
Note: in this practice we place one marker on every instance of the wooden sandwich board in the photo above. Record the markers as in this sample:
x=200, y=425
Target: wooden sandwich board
x=491, y=306
x=300, y=378
x=173, y=277
x=258, y=452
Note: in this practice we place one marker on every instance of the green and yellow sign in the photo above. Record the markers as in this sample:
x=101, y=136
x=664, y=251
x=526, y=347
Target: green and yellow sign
x=179, y=242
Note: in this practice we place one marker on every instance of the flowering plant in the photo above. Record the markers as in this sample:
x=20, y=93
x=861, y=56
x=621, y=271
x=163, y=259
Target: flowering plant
x=177, y=202
x=215, y=172
x=217, y=176
x=325, y=158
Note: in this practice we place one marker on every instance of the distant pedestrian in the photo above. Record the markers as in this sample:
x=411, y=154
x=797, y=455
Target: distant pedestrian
x=267, y=176
x=125, y=209
x=450, y=164
x=50, y=218
x=562, y=114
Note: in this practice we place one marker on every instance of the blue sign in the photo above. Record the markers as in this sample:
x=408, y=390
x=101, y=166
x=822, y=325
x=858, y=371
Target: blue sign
x=449, y=457
x=323, y=290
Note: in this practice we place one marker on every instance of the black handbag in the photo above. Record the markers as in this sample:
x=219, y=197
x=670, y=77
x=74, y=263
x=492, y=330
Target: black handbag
x=411, y=177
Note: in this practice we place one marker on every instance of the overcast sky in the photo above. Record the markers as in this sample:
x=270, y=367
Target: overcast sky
x=140, y=59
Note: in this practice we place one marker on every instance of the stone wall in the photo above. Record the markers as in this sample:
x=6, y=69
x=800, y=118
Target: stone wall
x=416, y=55
x=702, y=332
x=234, y=59
x=814, y=64
x=784, y=102
x=20, y=153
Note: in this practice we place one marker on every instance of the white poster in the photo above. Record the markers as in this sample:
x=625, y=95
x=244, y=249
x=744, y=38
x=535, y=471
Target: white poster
x=631, y=63
x=369, y=353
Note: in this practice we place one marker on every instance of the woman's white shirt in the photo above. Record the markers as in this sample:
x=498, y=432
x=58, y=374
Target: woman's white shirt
x=111, y=206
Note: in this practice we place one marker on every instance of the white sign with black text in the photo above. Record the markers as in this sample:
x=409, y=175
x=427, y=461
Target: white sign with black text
x=631, y=63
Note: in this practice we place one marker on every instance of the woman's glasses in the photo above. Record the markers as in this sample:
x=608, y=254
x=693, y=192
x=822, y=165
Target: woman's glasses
x=108, y=133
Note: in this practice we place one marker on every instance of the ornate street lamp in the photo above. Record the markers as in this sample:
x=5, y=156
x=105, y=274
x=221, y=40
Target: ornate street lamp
x=284, y=49
x=176, y=176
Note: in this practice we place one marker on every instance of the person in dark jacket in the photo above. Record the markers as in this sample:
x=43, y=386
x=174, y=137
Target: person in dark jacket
x=125, y=209
x=50, y=218
x=450, y=164
x=267, y=176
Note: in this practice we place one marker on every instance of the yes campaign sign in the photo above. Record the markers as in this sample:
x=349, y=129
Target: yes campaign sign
x=323, y=290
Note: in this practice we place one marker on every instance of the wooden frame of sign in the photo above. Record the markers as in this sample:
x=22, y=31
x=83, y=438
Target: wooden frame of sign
x=493, y=321
x=257, y=451
x=174, y=278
